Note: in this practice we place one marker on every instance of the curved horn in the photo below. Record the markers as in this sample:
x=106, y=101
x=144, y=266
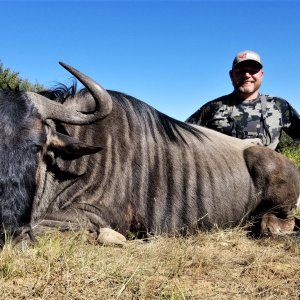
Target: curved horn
x=56, y=111
x=101, y=96
x=53, y=110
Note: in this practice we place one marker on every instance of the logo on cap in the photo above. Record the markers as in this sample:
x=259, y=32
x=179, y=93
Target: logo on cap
x=243, y=55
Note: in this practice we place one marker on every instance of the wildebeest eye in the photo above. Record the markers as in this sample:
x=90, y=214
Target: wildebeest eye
x=36, y=148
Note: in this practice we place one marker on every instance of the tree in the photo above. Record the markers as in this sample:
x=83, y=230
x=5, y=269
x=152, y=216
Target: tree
x=10, y=80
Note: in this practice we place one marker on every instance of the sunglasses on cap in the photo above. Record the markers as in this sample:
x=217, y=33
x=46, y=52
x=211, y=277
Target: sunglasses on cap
x=244, y=70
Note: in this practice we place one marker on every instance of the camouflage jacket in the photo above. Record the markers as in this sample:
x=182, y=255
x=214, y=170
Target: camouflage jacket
x=264, y=118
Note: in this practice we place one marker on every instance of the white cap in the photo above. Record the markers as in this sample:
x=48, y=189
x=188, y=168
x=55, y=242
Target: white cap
x=246, y=55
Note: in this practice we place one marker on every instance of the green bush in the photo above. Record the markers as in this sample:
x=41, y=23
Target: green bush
x=292, y=153
x=11, y=80
x=286, y=142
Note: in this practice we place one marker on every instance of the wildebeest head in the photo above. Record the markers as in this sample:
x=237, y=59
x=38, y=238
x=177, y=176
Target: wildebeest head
x=25, y=136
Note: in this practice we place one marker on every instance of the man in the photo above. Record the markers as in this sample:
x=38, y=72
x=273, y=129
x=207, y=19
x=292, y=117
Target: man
x=245, y=113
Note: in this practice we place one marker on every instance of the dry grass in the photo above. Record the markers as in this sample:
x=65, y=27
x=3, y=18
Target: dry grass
x=219, y=265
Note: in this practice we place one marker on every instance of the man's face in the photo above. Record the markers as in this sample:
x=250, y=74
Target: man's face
x=246, y=77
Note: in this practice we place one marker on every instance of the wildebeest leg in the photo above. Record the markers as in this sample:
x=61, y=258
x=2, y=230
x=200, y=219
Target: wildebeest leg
x=277, y=184
x=76, y=219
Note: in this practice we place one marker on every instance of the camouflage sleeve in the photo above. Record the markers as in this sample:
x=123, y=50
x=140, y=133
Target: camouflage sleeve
x=204, y=114
x=290, y=119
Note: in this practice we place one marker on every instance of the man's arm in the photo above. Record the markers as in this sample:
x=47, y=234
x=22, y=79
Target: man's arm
x=290, y=120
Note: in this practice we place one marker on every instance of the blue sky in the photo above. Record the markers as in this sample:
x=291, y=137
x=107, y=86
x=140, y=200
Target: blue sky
x=174, y=55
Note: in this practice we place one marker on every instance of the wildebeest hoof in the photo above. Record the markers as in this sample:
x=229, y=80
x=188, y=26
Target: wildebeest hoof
x=271, y=224
x=24, y=239
x=255, y=141
x=24, y=244
x=108, y=236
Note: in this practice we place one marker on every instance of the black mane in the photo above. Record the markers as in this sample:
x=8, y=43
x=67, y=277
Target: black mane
x=60, y=92
x=167, y=126
x=18, y=163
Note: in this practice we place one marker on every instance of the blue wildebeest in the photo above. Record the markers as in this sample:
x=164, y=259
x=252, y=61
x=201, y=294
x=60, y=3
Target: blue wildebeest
x=109, y=163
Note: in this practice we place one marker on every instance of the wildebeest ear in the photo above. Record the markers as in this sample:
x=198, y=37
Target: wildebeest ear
x=70, y=146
